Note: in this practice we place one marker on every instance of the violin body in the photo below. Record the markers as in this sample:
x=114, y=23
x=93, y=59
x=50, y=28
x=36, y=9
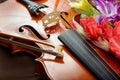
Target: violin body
x=47, y=66
x=66, y=68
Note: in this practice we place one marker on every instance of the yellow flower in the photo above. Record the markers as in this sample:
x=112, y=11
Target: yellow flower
x=84, y=7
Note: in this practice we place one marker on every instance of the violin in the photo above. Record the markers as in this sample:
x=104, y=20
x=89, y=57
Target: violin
x=96, y=72
x=48, y=66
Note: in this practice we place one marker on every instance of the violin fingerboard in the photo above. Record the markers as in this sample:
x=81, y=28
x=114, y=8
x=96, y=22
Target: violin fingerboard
x=87, y=55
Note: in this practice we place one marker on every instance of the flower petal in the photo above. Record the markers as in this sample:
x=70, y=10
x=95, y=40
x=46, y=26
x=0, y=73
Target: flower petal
x=84, y=7
x=116, y=30
x=107, y=30
x=100, y=18
x=114, y=45
x=91, y=27
x=101, y=6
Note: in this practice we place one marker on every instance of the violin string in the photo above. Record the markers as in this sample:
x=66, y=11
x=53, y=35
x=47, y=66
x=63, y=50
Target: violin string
x=56, y=4
x=64, y=5
x=56, y=7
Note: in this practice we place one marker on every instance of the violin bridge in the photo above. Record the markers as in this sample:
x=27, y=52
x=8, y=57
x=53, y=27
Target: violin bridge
x=51, y=19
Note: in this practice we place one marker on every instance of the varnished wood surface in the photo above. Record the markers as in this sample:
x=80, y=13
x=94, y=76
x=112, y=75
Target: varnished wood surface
x=14, y=14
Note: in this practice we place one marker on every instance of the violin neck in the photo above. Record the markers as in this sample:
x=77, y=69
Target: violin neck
x=87, y=55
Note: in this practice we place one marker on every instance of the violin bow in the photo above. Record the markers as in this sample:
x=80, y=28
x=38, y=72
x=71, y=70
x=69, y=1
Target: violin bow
x=57, y=52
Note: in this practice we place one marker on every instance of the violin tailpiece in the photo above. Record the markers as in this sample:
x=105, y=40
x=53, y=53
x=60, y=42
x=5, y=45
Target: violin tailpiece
x=80, y=49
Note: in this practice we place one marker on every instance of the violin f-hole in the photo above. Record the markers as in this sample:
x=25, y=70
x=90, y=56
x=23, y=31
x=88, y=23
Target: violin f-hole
x=66, y=13
x=34, y=31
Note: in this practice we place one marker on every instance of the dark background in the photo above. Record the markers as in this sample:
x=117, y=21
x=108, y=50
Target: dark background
x=2, y=1
x=19, y=66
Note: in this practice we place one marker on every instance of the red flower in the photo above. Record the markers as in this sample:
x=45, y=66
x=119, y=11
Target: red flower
x=94, y=31
x=91, y=27
x=107, y=30
x=114, y=45
x=114, y=41
x=116, y=30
